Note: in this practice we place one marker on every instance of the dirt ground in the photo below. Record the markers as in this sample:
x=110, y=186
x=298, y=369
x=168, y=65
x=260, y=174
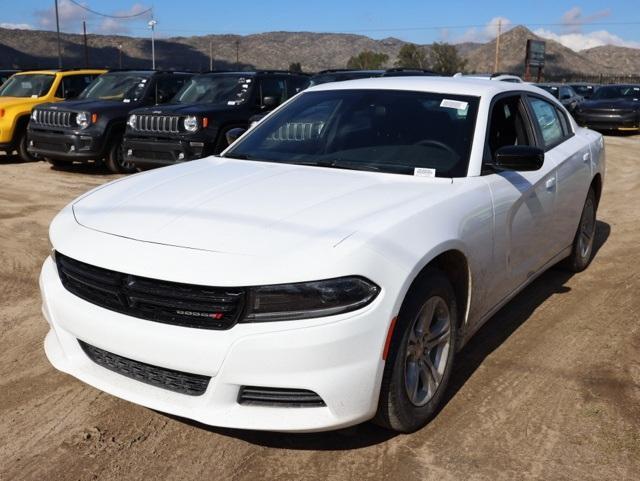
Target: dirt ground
x=548, y=389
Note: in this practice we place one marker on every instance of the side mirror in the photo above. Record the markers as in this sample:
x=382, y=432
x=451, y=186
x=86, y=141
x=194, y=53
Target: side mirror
x=233, y=134
x=269, y=102
x=565, y=96
x=518, y=157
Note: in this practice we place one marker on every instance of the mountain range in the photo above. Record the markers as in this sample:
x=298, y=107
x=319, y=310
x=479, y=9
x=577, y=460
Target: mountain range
x=276, y=50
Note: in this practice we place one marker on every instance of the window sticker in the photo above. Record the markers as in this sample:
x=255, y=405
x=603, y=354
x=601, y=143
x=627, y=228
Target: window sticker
x=424, y=172
x=454, y=104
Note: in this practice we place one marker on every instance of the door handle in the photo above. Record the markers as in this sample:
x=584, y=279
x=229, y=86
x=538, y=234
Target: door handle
x=585, y=156
x=550, y=183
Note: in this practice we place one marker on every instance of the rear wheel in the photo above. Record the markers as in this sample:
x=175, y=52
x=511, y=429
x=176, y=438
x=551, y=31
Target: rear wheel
x=115, y=160
x=421, y=355
x=22, y=148
x=582, y=249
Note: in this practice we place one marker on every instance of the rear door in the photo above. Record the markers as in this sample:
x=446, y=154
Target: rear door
x=523, y=201
x=570, y=152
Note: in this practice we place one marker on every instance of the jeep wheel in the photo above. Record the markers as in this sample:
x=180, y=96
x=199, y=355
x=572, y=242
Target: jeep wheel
x=115, y=160
x=22, y=149
x=421, y=355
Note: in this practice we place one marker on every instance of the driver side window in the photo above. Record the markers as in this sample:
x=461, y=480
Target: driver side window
x=507, y=126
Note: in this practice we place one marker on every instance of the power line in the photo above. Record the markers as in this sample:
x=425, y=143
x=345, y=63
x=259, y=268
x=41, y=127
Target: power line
x=111, y=16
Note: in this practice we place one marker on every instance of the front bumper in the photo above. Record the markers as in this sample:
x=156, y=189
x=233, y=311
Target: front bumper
x=65, y=146
x=149, y=153
x=613, y=121
x=339, y=359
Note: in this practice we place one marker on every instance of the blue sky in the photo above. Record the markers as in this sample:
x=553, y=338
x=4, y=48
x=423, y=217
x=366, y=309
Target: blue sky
x=578, y=25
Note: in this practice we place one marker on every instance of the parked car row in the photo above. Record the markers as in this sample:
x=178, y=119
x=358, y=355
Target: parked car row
x=139, y=119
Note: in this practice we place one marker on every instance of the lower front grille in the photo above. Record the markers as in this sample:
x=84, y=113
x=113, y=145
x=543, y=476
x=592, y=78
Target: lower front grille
x=50, y=146
x=279, y=397
x=176, y=381
x=153, y=154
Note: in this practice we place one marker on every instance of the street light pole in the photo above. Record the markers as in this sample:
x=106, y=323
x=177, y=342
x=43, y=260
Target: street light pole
x=152, y=26
x=120, y=55
x=58, y=30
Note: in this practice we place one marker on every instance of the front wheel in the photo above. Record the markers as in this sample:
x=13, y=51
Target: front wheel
x=22, y=149
x=421, y=355
x=115, y=160
x=582, y=249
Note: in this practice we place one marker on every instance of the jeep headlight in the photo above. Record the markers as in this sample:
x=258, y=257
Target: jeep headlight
x=132, y=121
x=83, y=120
x=304, y=300
x=190, y=123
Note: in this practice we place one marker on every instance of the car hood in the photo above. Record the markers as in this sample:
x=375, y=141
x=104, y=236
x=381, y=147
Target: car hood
x=252, y=208
x=186, y=109
x=612, y=104
x=92, y=105
x=7, y=102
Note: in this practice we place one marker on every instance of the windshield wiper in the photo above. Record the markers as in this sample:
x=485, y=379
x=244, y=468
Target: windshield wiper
x=338, y=164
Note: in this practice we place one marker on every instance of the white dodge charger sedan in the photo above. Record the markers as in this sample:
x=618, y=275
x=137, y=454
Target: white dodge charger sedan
x=326, y=268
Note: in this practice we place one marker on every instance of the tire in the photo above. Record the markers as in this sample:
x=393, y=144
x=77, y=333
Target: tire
x=222, y=143
x=22, y=149
x=582, y=248
x=115, y=159
x=412, y=388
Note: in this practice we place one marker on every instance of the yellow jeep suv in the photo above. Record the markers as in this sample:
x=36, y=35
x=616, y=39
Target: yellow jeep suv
x=24, y=90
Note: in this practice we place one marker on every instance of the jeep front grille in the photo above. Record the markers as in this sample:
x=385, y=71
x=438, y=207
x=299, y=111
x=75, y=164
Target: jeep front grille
x=188, y=305
x=52, y=118
x=177, y=381
x=158, y=123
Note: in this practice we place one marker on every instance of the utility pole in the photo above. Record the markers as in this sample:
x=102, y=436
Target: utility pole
x=496, y=67
x=86, y=50
x=238, y=53
x=210, y=55
x=152, y=26
x=120, y=56
x=58, y=30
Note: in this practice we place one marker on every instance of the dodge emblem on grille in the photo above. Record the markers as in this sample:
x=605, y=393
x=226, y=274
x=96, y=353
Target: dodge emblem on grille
x=212, y=315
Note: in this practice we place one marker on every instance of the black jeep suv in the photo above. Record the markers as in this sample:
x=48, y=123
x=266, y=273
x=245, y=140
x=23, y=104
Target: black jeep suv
x=195, y=123
x=91, y=127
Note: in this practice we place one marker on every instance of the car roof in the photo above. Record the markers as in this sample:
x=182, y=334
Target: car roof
x=475, y=87
x=63, y=72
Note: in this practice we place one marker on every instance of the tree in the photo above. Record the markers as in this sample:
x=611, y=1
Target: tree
x=445, y=59
x=412, y=56
x=368, y=60
x=295, y=67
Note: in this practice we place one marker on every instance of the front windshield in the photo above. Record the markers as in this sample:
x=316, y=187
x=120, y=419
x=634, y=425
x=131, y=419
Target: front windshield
x=30, y=85
x=584, y=90
x=215, y=89
x=553, y=90
x=122, y=87
x=617, y=92
x=414, y=133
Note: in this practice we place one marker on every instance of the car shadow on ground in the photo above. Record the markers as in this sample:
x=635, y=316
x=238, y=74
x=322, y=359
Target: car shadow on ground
x=488, y=338
x=12, y=158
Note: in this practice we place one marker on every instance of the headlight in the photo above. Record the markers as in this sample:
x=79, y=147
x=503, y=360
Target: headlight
x=305, y=300
x=83, y=119
x=131, y=121
x=191, y=123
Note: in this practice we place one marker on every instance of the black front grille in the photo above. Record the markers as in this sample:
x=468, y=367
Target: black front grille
x=152, y=154
x=186, y=305
x=52, y=118
x=282, y=397
x=158, y=123
x=53, y=147
x=177, y=381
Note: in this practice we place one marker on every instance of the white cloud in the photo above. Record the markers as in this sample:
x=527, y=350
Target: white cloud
x=486, y=33
x=573, y=19
x=19, y=26
x=582, y=41
x=71, y=17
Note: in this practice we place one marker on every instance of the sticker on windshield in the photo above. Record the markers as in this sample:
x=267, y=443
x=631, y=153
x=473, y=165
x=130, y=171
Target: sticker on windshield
x=454, y=104
x=424, y=172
